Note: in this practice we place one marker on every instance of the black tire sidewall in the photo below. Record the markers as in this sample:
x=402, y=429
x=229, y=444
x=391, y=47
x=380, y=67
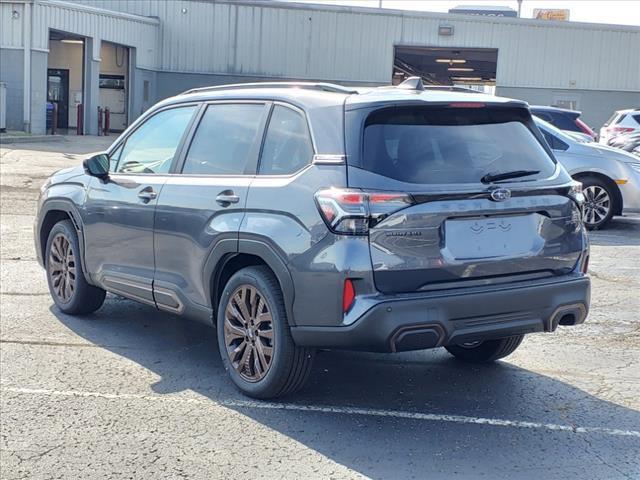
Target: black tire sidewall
x=488, y=351
x=85, y=297
x=277, y=374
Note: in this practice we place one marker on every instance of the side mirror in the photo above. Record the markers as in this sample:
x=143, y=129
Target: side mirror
x=97, y=166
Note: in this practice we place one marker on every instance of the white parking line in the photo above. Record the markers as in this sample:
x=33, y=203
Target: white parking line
x=431, y=417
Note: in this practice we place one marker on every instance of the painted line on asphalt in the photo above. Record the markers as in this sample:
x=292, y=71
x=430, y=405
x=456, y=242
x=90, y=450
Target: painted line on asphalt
x=251, y=404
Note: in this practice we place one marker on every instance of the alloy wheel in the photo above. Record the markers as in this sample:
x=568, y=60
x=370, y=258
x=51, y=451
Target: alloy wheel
x=248, y=333
x=62, y=268
x=597, y=205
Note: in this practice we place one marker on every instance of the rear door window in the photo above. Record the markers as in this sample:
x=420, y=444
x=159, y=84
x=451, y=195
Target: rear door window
x=435, y=145
x=287, y=145
x=225, y=141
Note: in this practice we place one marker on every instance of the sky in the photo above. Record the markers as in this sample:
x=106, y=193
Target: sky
x=621, y=12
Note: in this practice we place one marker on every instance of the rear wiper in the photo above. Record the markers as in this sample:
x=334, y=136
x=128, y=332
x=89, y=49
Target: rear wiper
x=494, y=177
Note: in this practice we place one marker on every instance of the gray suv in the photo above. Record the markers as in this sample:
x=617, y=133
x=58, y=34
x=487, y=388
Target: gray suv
x=303, y=216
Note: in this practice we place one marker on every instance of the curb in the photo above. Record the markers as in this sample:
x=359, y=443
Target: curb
x=8, y=139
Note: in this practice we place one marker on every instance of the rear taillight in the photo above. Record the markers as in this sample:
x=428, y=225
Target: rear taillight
x=348, y=295
x=352, y=212
x=585, y=128
x=622, y=129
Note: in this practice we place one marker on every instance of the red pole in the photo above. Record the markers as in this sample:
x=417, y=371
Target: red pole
x=80, y=120
x=107, y=121
x=99, y=121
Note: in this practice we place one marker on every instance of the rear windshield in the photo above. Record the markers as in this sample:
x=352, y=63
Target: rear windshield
x=451, y=145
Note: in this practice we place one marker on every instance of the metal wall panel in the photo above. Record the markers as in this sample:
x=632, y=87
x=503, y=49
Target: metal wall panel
x=139, y=32
x=351, y=44
x=10, y=27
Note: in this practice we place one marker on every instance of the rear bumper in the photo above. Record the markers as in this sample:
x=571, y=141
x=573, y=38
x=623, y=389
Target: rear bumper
x=401, y=323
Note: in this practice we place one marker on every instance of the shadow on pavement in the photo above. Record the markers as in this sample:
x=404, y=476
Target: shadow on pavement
x=621, y=231
x=184, y=355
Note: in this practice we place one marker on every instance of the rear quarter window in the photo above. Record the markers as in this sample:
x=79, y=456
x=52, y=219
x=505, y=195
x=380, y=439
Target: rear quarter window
x=429, y=145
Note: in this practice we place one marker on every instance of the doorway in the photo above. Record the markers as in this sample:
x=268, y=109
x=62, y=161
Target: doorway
x=65, y=79
x=58, y=94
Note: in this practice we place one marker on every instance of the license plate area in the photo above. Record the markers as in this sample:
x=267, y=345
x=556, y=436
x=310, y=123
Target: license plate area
x=492, y=237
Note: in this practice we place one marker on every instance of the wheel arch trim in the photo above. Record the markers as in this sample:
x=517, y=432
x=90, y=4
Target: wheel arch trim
x=228, y=248
x=68, y=207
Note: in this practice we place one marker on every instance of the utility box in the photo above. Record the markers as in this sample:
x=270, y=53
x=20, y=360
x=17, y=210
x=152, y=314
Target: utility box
x=3, y=107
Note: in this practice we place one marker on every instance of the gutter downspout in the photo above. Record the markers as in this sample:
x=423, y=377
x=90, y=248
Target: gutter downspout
x=26, y=96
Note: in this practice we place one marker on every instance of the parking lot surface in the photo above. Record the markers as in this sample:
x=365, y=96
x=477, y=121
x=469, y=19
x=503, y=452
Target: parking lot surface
x=130, y=392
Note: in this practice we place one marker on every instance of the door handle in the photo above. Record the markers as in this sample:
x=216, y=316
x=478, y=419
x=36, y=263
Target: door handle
x=227, y=197
x=147, y=194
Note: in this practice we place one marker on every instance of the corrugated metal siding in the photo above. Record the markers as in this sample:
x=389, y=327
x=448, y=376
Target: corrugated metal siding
x=11, y=31
x=356, y=45
x=141, y=33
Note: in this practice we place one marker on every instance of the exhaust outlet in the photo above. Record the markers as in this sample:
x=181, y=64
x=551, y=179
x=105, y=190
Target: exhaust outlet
x=573, y=314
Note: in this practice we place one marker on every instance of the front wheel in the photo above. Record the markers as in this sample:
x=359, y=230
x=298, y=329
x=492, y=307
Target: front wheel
x=254, y=338
x=68, y=286
x=485, y=351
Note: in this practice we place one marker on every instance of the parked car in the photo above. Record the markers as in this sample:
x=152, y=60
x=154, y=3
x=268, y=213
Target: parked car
x=564, y=119
x=302, y=216
x=626, y=141
x=610, y=177
x=622, y=121
x=581, y=137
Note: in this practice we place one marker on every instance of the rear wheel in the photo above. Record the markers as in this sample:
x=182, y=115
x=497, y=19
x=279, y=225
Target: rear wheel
x=254, y=337
x=485, y=351
x=67, y=284
x=598, y=205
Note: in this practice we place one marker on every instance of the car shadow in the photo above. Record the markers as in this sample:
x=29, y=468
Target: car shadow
x=621, y=231
x=184, y=355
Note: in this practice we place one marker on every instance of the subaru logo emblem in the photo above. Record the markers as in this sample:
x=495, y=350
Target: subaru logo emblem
x=500, y=194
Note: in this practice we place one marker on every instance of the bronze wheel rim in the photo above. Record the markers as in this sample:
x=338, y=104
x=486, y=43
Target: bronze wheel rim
x=62, y=268
x=248, y=333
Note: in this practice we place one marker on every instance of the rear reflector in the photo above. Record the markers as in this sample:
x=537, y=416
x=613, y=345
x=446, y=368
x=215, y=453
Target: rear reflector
x=585, y=265
x=348, y=295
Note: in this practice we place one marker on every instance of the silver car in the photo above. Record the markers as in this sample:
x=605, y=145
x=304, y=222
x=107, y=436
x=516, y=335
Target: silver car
x=610, y=177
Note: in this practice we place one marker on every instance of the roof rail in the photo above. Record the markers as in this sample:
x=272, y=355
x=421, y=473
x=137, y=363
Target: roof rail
x=324, y=87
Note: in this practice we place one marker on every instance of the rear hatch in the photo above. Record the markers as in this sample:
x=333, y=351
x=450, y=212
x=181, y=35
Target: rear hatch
x=462, y=222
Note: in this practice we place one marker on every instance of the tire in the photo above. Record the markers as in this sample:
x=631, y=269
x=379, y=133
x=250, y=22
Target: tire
x=68, y=286
x=599, y=202
x=259, y=354
x=486, y=351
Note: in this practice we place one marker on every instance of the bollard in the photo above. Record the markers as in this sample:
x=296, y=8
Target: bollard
x=99, y=121
x=80, y=120
x=54, y=120
x=107, y=121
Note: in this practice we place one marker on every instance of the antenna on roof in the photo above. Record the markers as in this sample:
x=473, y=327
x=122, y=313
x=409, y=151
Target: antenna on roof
x=412, y=83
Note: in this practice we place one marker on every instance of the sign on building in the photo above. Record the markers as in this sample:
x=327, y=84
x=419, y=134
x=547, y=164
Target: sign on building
x=558, y=14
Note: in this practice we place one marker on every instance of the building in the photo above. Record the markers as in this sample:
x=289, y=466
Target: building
x=127, y=54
